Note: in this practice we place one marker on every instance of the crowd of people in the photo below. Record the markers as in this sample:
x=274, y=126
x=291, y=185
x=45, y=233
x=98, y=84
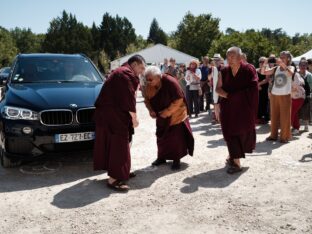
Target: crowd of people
x=240, y=95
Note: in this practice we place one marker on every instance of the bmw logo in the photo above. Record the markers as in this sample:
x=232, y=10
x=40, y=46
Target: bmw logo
x=73, y=105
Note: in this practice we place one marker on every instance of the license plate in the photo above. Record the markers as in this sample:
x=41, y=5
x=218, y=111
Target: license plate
x=73, y=137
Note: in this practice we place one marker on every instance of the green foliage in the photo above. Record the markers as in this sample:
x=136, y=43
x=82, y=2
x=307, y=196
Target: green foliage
x=8, y=49
x=254, y=44
x=115, y=37
x=139, y=44
x=116, y=34
x=26, y=41
x=301, y=44
x=104, y=61
x=95, y=32
x=195, y=34
x=156, y=34
x=67, y=35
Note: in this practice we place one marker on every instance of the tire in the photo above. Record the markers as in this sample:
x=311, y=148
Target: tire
x=7, y=162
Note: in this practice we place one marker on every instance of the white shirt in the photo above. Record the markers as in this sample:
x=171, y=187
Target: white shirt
x=282, y=82
x=190, y=78
x=215, y=76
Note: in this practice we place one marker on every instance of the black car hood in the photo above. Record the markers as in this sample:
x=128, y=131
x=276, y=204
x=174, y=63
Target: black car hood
x=41, y=96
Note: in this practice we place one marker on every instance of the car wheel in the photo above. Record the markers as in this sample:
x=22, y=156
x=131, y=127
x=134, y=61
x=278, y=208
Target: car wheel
x=7, y=162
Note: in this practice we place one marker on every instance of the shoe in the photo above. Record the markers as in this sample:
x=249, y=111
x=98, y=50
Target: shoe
x=196, y=115
x=306, y=128
x=229, y=162
x=176, y=165
x=132, y=175
x=283, y=141
x=158, y=162
x=118, y=185
x=295, y=132
x=234, y=169
x=270, y=139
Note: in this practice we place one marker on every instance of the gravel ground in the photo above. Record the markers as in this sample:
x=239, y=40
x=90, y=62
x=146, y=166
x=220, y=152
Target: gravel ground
x=62, y=194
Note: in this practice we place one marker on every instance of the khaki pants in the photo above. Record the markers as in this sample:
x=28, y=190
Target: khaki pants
x=280, y=116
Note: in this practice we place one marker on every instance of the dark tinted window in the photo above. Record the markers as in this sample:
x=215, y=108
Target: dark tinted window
x=53, y=69
x=5, y=70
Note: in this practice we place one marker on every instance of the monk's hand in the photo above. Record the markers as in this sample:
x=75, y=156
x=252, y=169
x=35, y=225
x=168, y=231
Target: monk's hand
x=135, y=122
x=152, y=114
x=217, y=111
x=163, y=114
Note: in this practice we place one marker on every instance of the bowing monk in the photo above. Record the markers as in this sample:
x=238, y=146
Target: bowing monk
x=165, y=101
x=238, y=90
x=115, y=119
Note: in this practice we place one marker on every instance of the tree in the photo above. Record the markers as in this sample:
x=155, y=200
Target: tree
x=254, y=44
x=8, y=49
x=156, y=34
x=95, y=32
x=116, y=34
x=301, y=44
x=139, y=44
x=67, y=35
x=278, y=38
x=195, y=34
x=26, y=41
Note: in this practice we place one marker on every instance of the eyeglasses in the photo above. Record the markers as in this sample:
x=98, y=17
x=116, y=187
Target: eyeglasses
x=261, y=61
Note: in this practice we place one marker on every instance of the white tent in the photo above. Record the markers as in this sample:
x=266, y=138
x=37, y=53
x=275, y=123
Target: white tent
x=155, y=55
x=307, y=55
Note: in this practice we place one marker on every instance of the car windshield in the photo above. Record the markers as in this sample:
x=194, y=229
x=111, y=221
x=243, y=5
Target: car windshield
x=53, y=69
x=5, y=70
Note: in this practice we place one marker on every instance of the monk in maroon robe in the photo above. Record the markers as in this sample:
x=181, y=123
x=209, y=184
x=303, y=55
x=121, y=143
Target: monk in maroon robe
x=115, y=118
x=165, y=101
x=238, y=89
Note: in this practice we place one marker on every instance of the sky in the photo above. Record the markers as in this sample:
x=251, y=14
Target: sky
x=291, y=16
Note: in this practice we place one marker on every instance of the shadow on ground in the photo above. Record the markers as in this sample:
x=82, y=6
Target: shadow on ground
x=212, y=179
x=82, y=194
x=47, y=171
x=90, y=191
x=306, y=158
x=147, y=176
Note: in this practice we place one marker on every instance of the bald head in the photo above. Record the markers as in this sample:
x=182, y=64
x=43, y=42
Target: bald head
x=235, y=50
x=234, y=56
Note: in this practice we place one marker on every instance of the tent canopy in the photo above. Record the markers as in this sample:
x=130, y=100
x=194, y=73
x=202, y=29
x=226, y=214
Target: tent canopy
x=155, y=55
x=307, y=55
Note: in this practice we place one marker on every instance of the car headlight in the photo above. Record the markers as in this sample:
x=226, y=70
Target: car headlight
x=10, y=112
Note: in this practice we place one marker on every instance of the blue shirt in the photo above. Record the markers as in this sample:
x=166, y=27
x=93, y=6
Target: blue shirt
x=205, y=72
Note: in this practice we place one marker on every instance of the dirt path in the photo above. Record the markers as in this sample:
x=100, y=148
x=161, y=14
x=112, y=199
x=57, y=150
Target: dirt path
x=64, y=195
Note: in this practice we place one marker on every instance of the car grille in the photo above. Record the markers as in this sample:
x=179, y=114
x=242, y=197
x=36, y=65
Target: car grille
x=85, y=116
x=56, y=117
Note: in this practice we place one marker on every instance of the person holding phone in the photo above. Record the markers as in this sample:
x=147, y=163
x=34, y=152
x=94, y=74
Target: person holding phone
x=280, y=96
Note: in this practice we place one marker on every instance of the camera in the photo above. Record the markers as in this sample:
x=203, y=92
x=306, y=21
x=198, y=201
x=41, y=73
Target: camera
x=272, y=60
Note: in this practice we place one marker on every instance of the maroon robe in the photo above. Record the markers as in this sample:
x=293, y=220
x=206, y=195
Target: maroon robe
x=114, y=124
x=239, y=111
x=173, y=142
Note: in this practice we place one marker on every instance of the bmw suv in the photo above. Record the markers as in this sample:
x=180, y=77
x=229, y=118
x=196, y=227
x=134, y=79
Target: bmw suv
x=47, y=106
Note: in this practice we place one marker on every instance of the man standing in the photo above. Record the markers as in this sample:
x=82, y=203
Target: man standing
x=165, y=101
x=238, y=89
x=115, y=119
x=205, y=86
x=172, y=70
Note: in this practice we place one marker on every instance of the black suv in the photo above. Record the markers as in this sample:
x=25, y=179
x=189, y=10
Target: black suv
x=47, y=106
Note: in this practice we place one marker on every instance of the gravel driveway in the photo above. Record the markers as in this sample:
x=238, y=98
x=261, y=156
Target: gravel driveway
x=62, y=194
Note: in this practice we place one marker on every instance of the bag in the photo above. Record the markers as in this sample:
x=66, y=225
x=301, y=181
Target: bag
x=307, y=90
